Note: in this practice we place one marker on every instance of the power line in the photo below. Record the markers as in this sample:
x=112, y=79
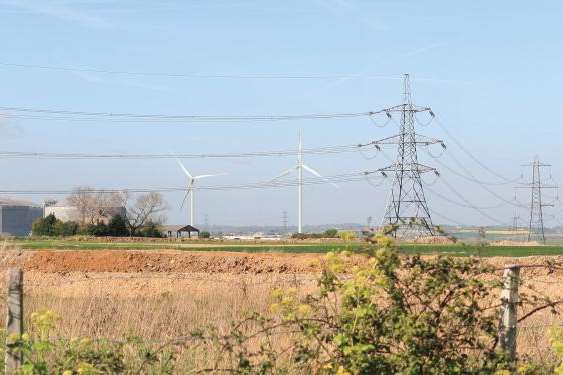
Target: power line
x=252, y=76
x=54, y=155
x=349, y=177
x=473, y=179
x=475, y=159
x=53, y=114
x=468, y=203
x=440, y=215
x=169, y=117
x=447, y=199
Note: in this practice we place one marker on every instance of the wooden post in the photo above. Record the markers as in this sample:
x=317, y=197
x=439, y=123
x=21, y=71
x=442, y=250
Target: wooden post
x=509, y=313
x=14, y=318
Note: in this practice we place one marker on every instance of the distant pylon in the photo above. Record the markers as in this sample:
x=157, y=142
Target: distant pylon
x=536, y=230
x=407, y=210
x=515, y=223
x=284, y=221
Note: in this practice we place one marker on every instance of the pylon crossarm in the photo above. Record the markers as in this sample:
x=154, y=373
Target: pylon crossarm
x=414, y=167
x=422, y=139
x=408, y=107
x=531, y=185
x=397, y=139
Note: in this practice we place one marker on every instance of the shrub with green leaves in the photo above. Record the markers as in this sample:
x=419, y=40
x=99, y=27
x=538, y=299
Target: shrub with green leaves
x=389, y=315
x=557, y=343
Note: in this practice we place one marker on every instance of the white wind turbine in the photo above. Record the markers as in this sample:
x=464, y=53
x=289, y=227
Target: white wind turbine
x=190, y=191
x=300, y=167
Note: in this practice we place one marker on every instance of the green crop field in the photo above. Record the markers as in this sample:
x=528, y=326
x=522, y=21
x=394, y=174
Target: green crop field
x=457, y=249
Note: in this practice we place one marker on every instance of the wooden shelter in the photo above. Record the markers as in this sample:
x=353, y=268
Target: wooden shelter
x=188, y=228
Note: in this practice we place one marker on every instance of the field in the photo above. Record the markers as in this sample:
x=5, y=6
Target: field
x=160, y=291
x=461, y=249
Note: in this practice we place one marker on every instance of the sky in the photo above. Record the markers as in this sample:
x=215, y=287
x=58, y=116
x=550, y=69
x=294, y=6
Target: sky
x=490, y=71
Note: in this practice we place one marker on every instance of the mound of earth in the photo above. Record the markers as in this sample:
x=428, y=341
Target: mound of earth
x=135, y=261
x=170, y=261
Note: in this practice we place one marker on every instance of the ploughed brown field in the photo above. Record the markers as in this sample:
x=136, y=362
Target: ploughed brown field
x=160, y=295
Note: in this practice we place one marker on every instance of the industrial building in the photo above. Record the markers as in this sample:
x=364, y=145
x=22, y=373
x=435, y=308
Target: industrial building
x=70, y=213
x=16, y=217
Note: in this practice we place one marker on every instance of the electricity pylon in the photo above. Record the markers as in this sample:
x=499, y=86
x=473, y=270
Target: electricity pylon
x=535, y=227
x=407, y=211
x=515, y=226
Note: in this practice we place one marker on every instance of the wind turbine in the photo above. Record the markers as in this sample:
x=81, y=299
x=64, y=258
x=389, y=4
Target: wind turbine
x=190, y=191
x=300, y=167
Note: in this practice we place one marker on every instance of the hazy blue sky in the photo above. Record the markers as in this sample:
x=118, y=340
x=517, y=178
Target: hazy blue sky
x=491, y=70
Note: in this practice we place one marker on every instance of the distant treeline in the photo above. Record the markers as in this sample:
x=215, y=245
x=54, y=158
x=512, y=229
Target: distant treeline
x=116, y=227
x=329, y=233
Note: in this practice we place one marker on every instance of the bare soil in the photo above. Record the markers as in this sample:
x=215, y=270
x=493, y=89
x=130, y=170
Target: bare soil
x=165, y=294
x=174, y=261
x=168, y=261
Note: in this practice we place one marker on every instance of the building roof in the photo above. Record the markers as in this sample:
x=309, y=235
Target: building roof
x=178, y=228
x=8, y=201
x=188, y=228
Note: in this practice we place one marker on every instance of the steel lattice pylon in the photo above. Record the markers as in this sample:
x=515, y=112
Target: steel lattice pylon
x=407, y=210
x=535, y=227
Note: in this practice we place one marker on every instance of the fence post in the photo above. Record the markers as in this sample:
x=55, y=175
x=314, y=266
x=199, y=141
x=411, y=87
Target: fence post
x=14, y=318
x=509, y=311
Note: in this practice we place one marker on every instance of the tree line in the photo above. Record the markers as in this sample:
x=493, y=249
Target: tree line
x=100, y=213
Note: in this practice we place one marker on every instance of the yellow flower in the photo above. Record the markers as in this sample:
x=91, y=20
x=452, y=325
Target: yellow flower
x=304, y=309
x=275, y=307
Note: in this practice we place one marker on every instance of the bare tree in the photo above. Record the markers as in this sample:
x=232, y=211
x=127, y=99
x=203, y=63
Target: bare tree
x=94, y=205
x=146, y=208
x=81, y=199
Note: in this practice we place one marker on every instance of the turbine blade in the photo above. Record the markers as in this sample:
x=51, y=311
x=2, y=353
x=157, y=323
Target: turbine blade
x=311, y=170
x=184, y=168
x=209, y=175
x=185, y=197
x=284, y=173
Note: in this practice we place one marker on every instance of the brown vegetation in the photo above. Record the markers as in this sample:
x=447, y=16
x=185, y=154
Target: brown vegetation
x=160, y=295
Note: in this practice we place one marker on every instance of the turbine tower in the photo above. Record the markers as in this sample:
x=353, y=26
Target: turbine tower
x=407, y=211
x=537, y=203
x=300, y=166
x=190, y=191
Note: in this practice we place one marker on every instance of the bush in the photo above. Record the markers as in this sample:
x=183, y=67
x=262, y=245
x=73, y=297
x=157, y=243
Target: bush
x=69, y=228
x=117, y=227
x=204, y=235
x=391, y=315
x=44, y=226
x=347, y=235
x=98, y=230
x=51, y=226
x=331, y=233
x=557, y=344
x=150, y=230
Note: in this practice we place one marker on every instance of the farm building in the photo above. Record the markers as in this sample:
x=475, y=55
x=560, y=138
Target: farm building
x=179, y=230
x=17, y=216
